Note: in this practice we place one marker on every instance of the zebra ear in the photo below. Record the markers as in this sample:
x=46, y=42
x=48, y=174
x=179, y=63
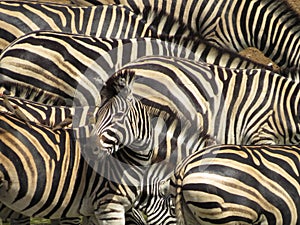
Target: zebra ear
x=120, y=83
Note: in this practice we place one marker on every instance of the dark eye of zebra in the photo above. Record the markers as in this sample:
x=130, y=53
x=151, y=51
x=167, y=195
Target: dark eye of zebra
x=108, y=142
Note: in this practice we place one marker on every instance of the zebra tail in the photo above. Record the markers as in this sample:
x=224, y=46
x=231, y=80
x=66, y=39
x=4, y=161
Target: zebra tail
x=179, y=202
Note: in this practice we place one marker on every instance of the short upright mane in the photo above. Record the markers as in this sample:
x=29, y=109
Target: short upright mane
x=120, y=80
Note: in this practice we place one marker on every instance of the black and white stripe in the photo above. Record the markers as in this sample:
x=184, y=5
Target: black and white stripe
x=273, y=27
x=45, y=66
x=46, y=173
x=232, y=106
x=238, y=184
x=18, y=18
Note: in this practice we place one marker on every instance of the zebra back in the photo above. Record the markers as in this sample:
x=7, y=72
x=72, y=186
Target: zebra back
x=22, y=17
x=222, y=95
x=63, y=77
x=51, y=116
x=270, y=26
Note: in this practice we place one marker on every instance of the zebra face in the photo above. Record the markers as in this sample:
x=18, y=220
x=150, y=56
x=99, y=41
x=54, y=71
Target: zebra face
x=122, y=120
x=111, y=124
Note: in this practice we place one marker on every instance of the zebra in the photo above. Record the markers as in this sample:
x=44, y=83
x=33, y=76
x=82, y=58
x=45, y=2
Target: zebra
x=35, y=112
x=57, y=78
x=268, y=116
x=273, y=27
x=29, y=112
x=226, y=184
x=52, y=117
x=246, y=106
x=43, y=136
x=154, y=201
x=22, y=17
x=170, y=108
x=41, y=143
x=191, y=113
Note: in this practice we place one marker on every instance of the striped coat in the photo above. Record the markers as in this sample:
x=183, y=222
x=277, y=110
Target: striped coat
x=232, y=184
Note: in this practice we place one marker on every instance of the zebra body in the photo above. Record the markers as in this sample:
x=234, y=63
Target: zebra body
x=251, y=106
x=49, y=116
x=273, y=27
x=154, y=75
x=211, y=98
x=226, y=184
x=21, y=17
x=63, y=140
x=169, y=105
x=58, y=77
x=46, y=173
x=36, y=112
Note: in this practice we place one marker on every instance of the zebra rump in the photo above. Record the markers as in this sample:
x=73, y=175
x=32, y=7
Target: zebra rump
x=227, y=184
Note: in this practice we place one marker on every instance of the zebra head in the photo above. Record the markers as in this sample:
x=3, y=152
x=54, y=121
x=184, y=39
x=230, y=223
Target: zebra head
x=122, y=120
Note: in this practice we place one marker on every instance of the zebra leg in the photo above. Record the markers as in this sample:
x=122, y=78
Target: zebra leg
x=15, y=218
x=24, y=220
x=66, y=221
x=111, y=213
x=134, y=217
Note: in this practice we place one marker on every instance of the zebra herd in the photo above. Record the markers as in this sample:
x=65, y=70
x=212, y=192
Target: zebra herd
x=143, y=112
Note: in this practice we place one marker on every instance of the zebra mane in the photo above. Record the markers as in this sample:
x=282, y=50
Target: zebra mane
x=193, y=41
x=33, y=94
x=118, y=83
x=292, y=72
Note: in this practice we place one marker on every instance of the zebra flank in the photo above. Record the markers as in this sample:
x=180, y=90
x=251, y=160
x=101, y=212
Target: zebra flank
x=38, y=114
x=226, y=184
x=46, y=173
x=235, y=106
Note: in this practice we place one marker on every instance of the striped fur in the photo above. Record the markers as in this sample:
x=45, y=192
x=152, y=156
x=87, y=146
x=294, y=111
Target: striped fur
x=51, y=117
x=78, y=187
x=273, y=27
x=154, y=74
x=205, y=94
x=248, y=106
x=44, y=115
x=62, y=77
x=232, y=184
x=18, y=18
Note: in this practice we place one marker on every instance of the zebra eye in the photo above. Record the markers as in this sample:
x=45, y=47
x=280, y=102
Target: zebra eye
x=113, y=149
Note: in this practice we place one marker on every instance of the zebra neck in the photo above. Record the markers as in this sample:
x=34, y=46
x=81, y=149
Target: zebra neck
x=144, y=140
